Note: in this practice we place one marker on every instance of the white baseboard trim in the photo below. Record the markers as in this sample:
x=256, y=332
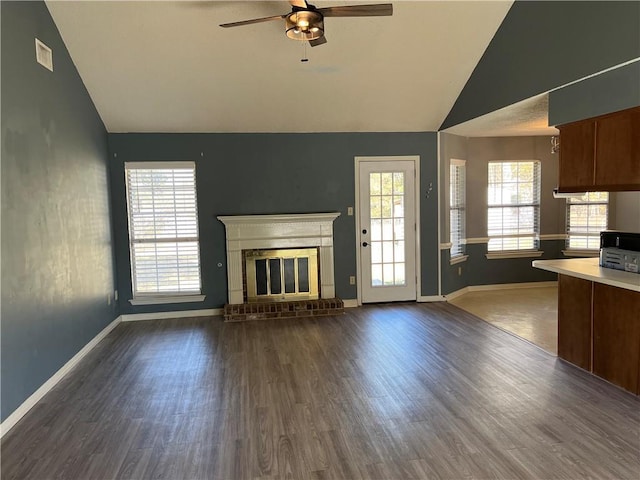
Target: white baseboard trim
x=350, y=303
x=136, y=317
x=29, y=403
x=510, y=286
x=498, y=286
x=430, y=298
x=456, y=294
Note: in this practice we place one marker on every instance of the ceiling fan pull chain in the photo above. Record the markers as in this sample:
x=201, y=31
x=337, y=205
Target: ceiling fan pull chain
x=304, y=52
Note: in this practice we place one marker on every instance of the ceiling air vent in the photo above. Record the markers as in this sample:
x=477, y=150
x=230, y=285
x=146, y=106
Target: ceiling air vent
x=44, y=55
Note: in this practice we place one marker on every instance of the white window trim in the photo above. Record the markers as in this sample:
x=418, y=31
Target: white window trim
x=514, y=254
x=577, y=252
x=166, y=297
x=458, y=259
x=161, y=299
x=582, y=252
x=497, y=254
x=455, y=162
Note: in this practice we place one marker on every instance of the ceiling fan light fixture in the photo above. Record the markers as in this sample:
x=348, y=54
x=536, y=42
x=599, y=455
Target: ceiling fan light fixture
x=305, y=25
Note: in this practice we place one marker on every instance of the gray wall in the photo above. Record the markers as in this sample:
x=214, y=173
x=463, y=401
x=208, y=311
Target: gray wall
x=624, y=211
x=482, y=150
x=612, y=91
x=57, y=264
x=451, y=147
x=241, y=174
x=454, y=277
x=543, y=45
x=478, y=270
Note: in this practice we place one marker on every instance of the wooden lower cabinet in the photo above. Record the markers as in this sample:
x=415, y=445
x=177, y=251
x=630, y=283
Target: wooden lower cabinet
x=599, y=330
x=574, y=325
x=616, y=336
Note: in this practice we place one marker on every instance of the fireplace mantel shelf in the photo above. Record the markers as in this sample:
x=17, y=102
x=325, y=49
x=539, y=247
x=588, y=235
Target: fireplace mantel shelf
x=282, y=218
x=279, y=231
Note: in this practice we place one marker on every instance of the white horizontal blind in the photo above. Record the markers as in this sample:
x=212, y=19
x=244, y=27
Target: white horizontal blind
x=457, y=206
x=587, y=216
x=513, y=221
x=163, y=228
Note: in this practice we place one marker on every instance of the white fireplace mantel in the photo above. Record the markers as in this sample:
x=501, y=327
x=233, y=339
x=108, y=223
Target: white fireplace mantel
x=244, y=232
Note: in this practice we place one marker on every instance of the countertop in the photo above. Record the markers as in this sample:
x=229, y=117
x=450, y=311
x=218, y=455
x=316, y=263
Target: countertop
x=588, y=269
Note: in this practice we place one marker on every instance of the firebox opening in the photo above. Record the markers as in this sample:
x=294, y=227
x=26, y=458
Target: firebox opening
x=281, y=274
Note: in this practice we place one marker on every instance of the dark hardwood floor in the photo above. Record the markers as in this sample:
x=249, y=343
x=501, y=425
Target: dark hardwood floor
x=385, y=392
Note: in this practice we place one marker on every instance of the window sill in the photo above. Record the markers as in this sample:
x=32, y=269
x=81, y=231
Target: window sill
x=458, y=259
x=580, y=253
x=167, y=299
x=514, y=254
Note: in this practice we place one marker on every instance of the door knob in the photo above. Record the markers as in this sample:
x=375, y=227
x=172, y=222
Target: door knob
x=364, y=244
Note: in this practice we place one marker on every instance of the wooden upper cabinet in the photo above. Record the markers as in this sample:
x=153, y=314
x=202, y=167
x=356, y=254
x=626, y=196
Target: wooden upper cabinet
x=618, y=150
x=577, y=155
x=601, y=153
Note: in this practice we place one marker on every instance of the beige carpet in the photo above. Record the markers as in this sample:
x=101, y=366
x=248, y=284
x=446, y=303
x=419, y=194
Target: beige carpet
x=530, y=313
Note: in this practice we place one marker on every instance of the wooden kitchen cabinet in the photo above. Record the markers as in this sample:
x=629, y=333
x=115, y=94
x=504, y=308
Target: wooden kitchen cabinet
x=601, y=153
x=618, y=150
x=574, y=331
x=577, y=154
x=616, y=336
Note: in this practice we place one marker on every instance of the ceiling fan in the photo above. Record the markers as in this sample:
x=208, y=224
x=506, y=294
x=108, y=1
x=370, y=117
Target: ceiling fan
x=306, y=22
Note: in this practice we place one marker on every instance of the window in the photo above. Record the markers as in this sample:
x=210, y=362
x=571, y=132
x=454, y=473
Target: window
x=163, y=228
x=513, y=205
x=457, y=206
x=586, y=218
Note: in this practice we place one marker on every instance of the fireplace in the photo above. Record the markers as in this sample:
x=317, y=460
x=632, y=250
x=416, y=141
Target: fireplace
x=256, y=233
x=281, y=274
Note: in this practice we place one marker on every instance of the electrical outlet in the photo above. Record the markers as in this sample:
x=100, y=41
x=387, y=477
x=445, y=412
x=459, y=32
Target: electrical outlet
x=352, y=280
x=459, y=271
x=350, y=211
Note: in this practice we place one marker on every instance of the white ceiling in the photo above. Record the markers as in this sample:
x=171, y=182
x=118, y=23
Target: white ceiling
x=169, y=67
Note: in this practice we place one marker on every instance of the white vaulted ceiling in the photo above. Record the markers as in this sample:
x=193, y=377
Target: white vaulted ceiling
x=168, y=67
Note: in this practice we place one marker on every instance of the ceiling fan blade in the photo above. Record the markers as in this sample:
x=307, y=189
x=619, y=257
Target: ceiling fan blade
x=299, y=3
x=318, y=41
x=381, y=9
x=250, y=22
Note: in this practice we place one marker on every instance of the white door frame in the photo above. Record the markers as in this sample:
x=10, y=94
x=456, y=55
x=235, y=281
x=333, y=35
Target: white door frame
x=416, y=164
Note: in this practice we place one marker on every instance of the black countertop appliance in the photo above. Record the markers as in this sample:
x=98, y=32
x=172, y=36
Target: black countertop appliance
x=620, y=250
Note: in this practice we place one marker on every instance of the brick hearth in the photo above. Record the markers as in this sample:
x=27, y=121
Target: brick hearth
x=299, y=308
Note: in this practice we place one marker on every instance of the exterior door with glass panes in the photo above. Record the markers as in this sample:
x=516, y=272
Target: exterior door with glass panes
x=387, y=231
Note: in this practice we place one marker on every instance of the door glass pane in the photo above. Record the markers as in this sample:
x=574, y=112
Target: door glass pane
x=303, y=274
x=387, y=274
x=398, y=206
x=387, y=183
x=376, y=229
x=376, y=209
x=376, y=252
x=387, y=229
x=374, y=183
x=387, y=252
x=289, y=276
x=274, y=276
x=399, y=251
x=398, y=183
x=387, y=204
x=261, y=277
x=376, y=275
x=398, y=228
